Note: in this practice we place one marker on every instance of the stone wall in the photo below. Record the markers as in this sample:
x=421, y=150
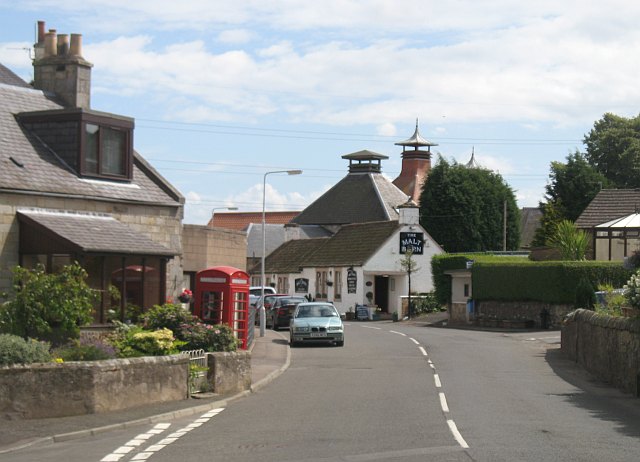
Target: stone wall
x=76, y=388
x=516, y=311
x=205, y=247
x=607, y=347
x=229, y=372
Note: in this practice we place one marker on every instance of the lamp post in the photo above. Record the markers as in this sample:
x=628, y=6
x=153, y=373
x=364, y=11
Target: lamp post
x=263, y=318
x=213, y=211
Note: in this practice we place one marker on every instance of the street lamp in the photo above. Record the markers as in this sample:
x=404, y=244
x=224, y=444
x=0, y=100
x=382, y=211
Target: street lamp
x=263, y=318
x=213, y=211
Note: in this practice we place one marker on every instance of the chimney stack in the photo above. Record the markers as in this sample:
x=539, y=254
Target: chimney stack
x=59, y=67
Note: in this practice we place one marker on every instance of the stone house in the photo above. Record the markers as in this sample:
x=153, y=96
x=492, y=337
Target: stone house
x=72, y=187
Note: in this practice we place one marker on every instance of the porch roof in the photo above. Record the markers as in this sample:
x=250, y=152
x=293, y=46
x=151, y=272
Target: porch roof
x=43, y=231
x=629, y=221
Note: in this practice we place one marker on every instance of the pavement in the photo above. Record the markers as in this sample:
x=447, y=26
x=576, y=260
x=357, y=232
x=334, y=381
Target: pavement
x=270, y=357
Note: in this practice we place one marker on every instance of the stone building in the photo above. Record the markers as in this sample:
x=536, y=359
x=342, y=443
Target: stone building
x=72, y=187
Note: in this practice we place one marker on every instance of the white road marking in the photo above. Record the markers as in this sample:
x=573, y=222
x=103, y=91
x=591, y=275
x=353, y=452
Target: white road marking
x=443, y=403
x=436, y=379
x=414, y=341
x=424, y=352
x=456, y=434
x=371, y=327
x=132, y=444
x=399, y=333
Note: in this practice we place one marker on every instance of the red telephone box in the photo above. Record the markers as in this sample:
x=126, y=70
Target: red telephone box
x=222, y=297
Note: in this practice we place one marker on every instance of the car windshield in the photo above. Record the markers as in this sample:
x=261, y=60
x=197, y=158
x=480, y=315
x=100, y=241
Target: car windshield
x=316, y=311
x=292, y=301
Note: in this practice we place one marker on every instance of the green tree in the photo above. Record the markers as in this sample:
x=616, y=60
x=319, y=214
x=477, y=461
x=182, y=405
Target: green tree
x=613, y=149
x=571, y=242
x=463, y=209
x=48, y=306
x=572, y=186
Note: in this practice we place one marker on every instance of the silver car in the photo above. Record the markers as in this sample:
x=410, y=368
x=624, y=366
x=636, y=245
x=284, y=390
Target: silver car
x=316, y=322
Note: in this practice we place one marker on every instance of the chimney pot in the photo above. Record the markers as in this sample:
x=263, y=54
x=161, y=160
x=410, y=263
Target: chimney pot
x=76, y=45
x=41, y=31
x=50, y=43
x=63, y=44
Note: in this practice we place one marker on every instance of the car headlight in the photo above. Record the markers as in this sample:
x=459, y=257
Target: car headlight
x=301, y=329
x=334, y=328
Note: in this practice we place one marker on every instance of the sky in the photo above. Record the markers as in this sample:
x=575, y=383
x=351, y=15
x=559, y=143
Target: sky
x=223, y=92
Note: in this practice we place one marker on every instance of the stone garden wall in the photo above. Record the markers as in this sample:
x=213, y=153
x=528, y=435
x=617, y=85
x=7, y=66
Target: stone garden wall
x=607, y=347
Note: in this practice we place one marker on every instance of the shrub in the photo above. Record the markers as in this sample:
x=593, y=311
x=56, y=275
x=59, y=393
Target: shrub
x=425, y=303
x=209, y=337
x=85, y=350
x=16, y=350
x=131, y=341
x=612, y=303
x=48, y=306
x=585, y=295
x=167, y=316
x=632, y=290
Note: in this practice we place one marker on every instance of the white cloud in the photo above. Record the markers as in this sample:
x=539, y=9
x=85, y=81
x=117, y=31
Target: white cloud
x=235, y=36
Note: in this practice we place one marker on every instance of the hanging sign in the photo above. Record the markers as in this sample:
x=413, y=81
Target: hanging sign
x=302, y=285
x=352, y=281
x=413, y=242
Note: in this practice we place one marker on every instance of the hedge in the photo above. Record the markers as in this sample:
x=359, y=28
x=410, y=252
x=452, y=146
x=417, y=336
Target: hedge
x=519, y=279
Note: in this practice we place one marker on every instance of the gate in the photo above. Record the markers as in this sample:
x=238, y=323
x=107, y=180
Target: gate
x=197, y=371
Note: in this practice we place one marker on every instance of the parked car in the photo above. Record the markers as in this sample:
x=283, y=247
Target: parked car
x=268, y=301
x=316, y=322
x=282, y=309
x=255, y=292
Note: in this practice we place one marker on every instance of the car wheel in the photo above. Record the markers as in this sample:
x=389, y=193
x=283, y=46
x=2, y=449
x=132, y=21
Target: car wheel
x=293, y=344
x=274, y=326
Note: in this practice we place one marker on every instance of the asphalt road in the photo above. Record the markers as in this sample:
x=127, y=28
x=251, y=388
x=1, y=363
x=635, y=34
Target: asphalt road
x=397, y=392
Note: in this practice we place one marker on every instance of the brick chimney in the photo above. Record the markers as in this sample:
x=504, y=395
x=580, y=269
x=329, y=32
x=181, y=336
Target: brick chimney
x=59, y=67
x=416, y=165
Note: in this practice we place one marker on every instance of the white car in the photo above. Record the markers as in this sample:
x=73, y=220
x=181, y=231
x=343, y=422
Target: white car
x=255, y=292
x=316, y=322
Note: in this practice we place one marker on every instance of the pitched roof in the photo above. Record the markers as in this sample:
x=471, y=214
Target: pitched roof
x=241, y=220
x=9, y=78
x=357, y=198
x=608, y=205
x=27, y=165
x=352, y=245
x=289, y=256
x=277, y=234
x=91, y=233
x=529, y=223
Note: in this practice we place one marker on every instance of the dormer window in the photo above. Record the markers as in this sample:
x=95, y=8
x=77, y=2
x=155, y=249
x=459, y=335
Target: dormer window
x=105, y=151
x=95, y=144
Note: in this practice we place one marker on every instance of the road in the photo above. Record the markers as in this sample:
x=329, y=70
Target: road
x=397, y=392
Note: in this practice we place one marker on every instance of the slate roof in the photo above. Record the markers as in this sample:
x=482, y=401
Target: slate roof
x=608, y=205
x=352, y=245
x=92, y=233
x=529, y=223
x=357, y=198
x=276, y=235
x=27, y=165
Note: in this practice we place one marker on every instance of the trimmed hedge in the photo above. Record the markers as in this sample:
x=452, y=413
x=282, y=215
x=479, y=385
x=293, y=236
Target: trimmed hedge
x=515, y=278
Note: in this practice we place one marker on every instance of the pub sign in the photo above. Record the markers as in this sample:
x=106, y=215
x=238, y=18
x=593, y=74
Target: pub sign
x=302, y=285
x=352, y=281
x=413, y=242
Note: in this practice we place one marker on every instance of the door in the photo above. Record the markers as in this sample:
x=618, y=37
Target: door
x=382, y=293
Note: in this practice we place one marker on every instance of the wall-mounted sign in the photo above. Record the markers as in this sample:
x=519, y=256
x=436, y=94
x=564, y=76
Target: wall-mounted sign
x=302, y=285
x=214, y=280
x=413, y=242
x=352, y=281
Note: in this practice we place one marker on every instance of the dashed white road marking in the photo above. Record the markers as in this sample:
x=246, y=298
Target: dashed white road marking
x=399, y=333
x=436, y=379
x=456, y=434
x=424, y=352
x=443, y=403
x=414, y=341
x=158, y=429
x=372, y=327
